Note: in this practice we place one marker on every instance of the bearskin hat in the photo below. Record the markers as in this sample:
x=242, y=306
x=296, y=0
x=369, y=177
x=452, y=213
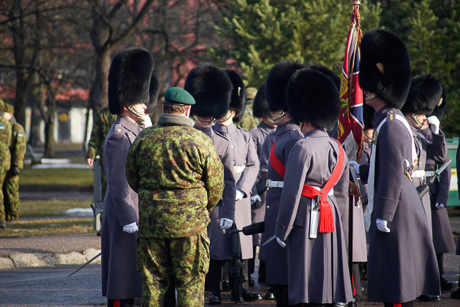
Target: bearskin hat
x=368, y=116
x=238, y=101
x=328, y=73
x=313, y=97
x=439, y=109
x=212, y=89
x=424, y=95
x=260, y=105
x=385, y=67
x=130, y=77
x=277, y=82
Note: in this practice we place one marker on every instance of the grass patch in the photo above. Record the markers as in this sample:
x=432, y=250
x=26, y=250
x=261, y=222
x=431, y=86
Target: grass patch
x=53, y=207
x=56, y=179
x=49, y=226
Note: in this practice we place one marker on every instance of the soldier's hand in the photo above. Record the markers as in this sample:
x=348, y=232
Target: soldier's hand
x=14, y=170
x=146, y=121
x=239, y=195
x=90, y=162
x=130, y=228
x=434, y=122
x=439, y=206
x=255, y=198
x=382, y=225
x=225, y=223
x=355, y=166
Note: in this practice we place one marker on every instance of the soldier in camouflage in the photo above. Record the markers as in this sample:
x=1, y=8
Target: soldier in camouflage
x=17, y=152
x=249, y=121
x=5, y=140
x=179, y=178
x=102, y=124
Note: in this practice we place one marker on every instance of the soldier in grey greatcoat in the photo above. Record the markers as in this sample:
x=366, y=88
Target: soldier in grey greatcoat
x=402, y=261
x=315, y=185
x=245, y=167
x=259, y=133
x=423, y=96
x=443, y=239
x=286, y=135
x=130, y=92
x=212, y=88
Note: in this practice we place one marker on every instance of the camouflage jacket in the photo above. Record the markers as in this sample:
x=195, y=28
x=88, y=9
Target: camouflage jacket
x=18, y=144
x=5, y=140
x=102, y=124
x=248, y=121
x=178, y=176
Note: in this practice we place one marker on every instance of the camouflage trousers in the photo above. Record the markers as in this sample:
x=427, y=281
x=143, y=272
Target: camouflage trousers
x=2, y=198
x=11, y=196
x=187, y=259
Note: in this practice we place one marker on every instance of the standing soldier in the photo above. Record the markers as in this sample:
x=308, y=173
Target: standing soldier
x=258, y=202
x=18, y=151
x=286, y=135
x=402, y=262
x=180, y=179
x=245, y=169
x=211, y=88
x=5, y=158
x=312, y=220
x=130, y=91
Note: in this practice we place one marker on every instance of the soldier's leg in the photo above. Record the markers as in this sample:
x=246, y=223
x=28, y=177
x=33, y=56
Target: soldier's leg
x=153, y=260
x=2, y=201
x=190, y=257
x=11, y=195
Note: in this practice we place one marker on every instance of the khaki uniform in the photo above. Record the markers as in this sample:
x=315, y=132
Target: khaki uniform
x=5, y=156
x=179, y=179
x=11, y=185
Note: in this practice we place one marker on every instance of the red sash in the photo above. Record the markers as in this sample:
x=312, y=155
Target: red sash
x=326, y=219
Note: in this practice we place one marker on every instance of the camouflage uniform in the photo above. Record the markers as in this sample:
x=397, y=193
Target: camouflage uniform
x=249, y=121
x=11, y=185
x=179, y=179
x=102, y=124
x=5, y=140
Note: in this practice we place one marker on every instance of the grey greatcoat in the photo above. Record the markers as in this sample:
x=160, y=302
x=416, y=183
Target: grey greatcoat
x=286, y=136
x=402, y=263
x=443, y=239
x=259, y=134
x=246, y=167
x=120, y=278
x=220, y=246
x=317, y=268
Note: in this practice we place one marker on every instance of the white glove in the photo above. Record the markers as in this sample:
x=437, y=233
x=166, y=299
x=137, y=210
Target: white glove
x=130, y=228
x=239, y=195
x=382, y=225
x=255, y=198
x=434, y=121
x=439, y=206
x=225, y=223
x=354, y=165
x=146, y=121
x=280, y=242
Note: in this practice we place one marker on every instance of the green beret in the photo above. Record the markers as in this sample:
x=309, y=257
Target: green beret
x=177, y=95
x=8, y=108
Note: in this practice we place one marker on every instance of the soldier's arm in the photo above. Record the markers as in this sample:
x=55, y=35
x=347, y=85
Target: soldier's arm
x=249, y=176
x=95, y=142
x=132, y=173
x=437, y=149
x=19, y=151
x=213, y=177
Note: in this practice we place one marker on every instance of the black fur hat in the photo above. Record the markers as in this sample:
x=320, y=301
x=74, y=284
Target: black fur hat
x=260, y=105
x=439, y=109
x=313, y=97
x=328, y=73
x=238, y=101
x=385, y=67
x=277, y=82
x=368, y=116
x=130, y=78
x=424, y=95
x=212, y=89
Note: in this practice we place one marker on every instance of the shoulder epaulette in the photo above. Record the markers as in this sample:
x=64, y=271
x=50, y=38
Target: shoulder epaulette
x=391, y=115
x=221, y=134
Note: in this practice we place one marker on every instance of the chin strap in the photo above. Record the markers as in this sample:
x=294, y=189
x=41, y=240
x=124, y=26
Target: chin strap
x=204, y=123
x=278, y=116
x=132, y=110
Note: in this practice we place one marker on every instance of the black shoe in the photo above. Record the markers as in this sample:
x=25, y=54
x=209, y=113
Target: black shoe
x=341, y=304
x=269, y=296
x=429, y=298
x=251, y=281
x=455, y=294
x=225, y=285
x=446, y=285
x=249, y=296
x=2, y=225
x=214, y=299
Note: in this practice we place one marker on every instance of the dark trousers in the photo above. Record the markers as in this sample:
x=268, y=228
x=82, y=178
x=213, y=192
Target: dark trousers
x=215, y=275
x=281, y=294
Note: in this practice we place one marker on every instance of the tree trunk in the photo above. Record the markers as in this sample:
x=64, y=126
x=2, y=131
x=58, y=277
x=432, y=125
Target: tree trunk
x=34, y=138
x=50, y=122
x=99, y=88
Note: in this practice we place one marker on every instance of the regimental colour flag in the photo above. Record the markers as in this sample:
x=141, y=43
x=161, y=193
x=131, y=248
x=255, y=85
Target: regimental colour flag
x=350, y=122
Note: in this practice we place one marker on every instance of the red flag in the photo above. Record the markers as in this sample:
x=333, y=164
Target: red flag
x=350, y=122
